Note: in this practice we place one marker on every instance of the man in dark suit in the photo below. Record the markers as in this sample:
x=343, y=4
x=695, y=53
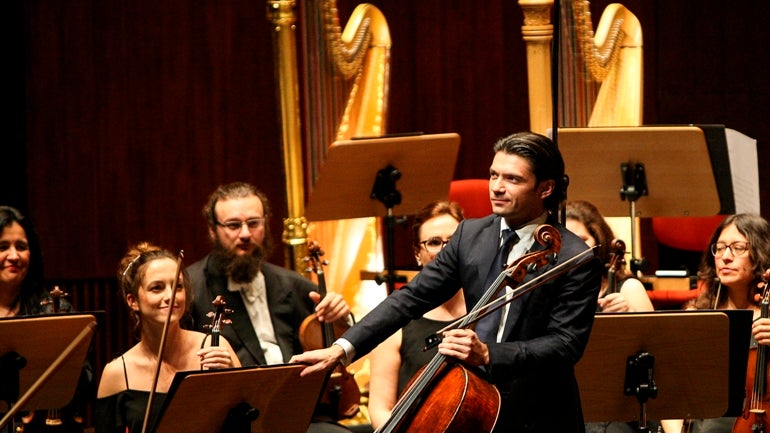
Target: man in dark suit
x=532, y=348
x=269, y=302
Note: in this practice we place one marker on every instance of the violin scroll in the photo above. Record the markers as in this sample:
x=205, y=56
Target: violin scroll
x=616, y=265
x=218, y=318
x=54, y=300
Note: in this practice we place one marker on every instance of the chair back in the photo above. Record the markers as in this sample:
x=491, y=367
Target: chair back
x=472, y=195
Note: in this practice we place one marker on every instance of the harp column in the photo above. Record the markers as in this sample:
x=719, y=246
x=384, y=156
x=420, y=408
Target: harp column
x=282, y=15
x=537, y=33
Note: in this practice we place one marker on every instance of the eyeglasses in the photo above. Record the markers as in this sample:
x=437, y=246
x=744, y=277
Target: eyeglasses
x=434, y=245
x=736, y=248
x=236, y=225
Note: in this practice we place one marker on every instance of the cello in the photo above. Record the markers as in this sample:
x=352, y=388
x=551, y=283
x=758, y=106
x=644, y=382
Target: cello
x=447, y=396
x=754, y=417
x=341, y=394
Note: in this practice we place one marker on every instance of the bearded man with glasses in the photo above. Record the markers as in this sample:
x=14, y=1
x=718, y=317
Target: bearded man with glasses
x=269, y=302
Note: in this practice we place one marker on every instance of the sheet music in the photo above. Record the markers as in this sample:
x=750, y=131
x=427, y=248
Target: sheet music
x=742, y=151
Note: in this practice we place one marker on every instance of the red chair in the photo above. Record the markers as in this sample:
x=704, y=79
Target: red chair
x=472, y=195
x=687, y=234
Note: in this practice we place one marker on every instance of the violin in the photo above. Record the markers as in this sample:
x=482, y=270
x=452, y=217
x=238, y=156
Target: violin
x=616, y=266
x=754, y=416
x=341, y=394
x=55, y=420
x=445, y=395
x=218, y=318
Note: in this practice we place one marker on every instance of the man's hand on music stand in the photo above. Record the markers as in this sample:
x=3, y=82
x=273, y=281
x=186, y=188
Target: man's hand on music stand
x=320, y=360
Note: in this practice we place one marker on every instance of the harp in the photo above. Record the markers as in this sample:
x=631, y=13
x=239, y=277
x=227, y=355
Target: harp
x=600, y=72
x=333, y=85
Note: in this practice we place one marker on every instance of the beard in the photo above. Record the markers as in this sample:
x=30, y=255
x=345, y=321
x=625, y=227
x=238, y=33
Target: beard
x=242, y=269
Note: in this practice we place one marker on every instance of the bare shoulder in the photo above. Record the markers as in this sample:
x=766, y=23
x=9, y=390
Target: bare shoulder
x=113, y=379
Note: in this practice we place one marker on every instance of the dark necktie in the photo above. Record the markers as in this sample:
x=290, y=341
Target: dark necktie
x=487, y=327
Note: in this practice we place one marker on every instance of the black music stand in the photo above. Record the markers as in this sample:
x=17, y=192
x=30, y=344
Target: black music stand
x=42, y=356
x=359, y=177
x=695, y=362
x=263, y=399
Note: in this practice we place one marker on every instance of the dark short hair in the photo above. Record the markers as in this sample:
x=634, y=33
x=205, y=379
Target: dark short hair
x=545, y=158
x=236, y=190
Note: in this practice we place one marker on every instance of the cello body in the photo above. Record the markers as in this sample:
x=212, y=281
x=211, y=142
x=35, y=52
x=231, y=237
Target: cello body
x=457, y=401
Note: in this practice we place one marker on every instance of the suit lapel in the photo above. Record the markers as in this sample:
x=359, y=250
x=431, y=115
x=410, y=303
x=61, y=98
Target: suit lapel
x=490, y=236
x=514, y=312
x=276, y=301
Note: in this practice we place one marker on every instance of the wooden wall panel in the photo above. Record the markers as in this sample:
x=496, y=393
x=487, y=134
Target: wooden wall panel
x=135, y=111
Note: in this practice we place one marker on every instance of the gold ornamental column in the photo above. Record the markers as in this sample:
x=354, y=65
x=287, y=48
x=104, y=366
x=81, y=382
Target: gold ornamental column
x=537, y=32
x=282, y=15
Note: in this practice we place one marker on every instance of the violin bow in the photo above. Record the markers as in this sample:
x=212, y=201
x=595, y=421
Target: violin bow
x=163, y=340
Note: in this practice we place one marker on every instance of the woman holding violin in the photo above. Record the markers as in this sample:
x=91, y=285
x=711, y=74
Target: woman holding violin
x=540, y=336
x=620, y=292
x=397, y=359
x=158, y=296
x=732, y=275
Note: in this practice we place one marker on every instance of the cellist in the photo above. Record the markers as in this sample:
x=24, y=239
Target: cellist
x=730, y=278
x=530, y=349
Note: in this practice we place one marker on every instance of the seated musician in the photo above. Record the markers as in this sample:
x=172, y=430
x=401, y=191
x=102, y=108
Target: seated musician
x=146, y=277
x=269, y=302
x=397, y=359
x=731, y=276
x=628, y=293
x=22, y=294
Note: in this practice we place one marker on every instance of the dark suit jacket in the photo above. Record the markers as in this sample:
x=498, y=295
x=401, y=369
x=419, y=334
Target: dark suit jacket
x=287, y=299
x=545, y=335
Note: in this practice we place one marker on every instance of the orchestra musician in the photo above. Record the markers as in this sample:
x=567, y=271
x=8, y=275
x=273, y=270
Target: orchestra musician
x=627, y=293
x=530, y=350
x=269, y=302
x=397, y=359
x=730, y=278
x=147, y=284
x=22, y=293
x=619, y=294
